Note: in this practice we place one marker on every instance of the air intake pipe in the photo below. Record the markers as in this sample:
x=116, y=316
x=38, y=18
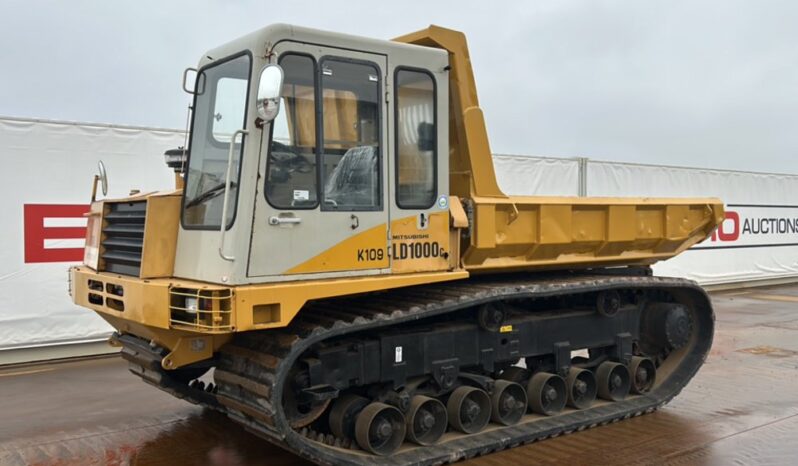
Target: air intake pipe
x=176, y=160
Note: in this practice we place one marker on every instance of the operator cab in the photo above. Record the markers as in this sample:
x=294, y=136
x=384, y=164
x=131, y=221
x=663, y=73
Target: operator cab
x=343, y=171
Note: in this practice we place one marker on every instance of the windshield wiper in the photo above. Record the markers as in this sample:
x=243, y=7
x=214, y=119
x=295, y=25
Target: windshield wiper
x=209, y=194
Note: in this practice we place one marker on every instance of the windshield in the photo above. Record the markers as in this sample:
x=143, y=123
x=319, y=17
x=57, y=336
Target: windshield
x=219, y=110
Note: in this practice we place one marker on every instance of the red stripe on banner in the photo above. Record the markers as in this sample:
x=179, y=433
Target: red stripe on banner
x=36, y=232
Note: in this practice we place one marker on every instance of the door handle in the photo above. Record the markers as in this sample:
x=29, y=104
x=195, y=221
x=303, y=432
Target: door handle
x=423, y=221
x=275, y=220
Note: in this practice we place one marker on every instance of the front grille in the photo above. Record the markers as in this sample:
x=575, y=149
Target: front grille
x=123, y=237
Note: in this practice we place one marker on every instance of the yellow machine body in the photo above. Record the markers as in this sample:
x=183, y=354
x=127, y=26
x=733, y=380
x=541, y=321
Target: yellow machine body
x=481, y=230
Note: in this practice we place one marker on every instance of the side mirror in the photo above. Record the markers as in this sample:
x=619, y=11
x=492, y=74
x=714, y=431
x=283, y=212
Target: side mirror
x=269, y=86
x=193, y=81
x=103, y=177
x=189, y=75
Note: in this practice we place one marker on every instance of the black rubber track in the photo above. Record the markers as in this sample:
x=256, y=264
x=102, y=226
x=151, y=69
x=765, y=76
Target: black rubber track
x=252, y=369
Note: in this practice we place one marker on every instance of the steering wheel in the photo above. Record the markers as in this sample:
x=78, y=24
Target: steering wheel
x=287, y=160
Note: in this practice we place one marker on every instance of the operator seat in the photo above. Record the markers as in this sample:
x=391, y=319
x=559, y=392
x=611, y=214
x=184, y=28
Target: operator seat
x=354, y=182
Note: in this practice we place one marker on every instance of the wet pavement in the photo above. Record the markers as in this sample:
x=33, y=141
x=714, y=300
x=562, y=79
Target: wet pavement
x=742, y=408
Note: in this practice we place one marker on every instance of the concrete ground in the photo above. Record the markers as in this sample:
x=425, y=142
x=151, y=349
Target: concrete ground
x=742, y=408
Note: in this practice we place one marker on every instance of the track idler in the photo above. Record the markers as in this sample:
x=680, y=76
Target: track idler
x=343, y=415
x=300, y=411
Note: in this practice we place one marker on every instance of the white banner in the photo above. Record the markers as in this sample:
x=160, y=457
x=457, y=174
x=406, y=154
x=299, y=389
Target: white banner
x=47, y=182
x=46, y=187
x=520, y=175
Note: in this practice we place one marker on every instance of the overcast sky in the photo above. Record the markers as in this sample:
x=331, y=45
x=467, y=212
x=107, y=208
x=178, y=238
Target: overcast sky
x=694, y=83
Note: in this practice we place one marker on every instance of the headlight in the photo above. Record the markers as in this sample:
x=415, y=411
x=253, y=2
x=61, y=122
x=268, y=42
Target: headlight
x=191, y=304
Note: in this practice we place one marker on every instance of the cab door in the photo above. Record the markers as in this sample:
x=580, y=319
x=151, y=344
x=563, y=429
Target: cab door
x=321, y=207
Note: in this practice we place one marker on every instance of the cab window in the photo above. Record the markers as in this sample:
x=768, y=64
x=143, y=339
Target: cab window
x=219, y=111
x=351, y=153
x=416, y=142
x=291, y=166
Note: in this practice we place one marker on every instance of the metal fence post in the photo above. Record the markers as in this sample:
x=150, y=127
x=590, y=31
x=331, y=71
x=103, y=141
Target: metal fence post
x=582, y=161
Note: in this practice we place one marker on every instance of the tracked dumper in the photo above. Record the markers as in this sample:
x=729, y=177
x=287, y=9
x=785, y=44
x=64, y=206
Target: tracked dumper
x=338, y=252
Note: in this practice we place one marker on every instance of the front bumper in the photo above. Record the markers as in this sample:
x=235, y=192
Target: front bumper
x=160, y=303
x=155, y=310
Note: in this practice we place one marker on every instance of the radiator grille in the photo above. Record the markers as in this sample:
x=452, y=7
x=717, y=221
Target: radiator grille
x=123, y=237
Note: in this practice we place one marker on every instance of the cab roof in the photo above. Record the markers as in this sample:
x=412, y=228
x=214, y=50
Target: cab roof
x=261, y=41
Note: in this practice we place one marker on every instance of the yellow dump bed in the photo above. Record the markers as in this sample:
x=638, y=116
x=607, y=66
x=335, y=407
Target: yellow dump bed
x=575, y=232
